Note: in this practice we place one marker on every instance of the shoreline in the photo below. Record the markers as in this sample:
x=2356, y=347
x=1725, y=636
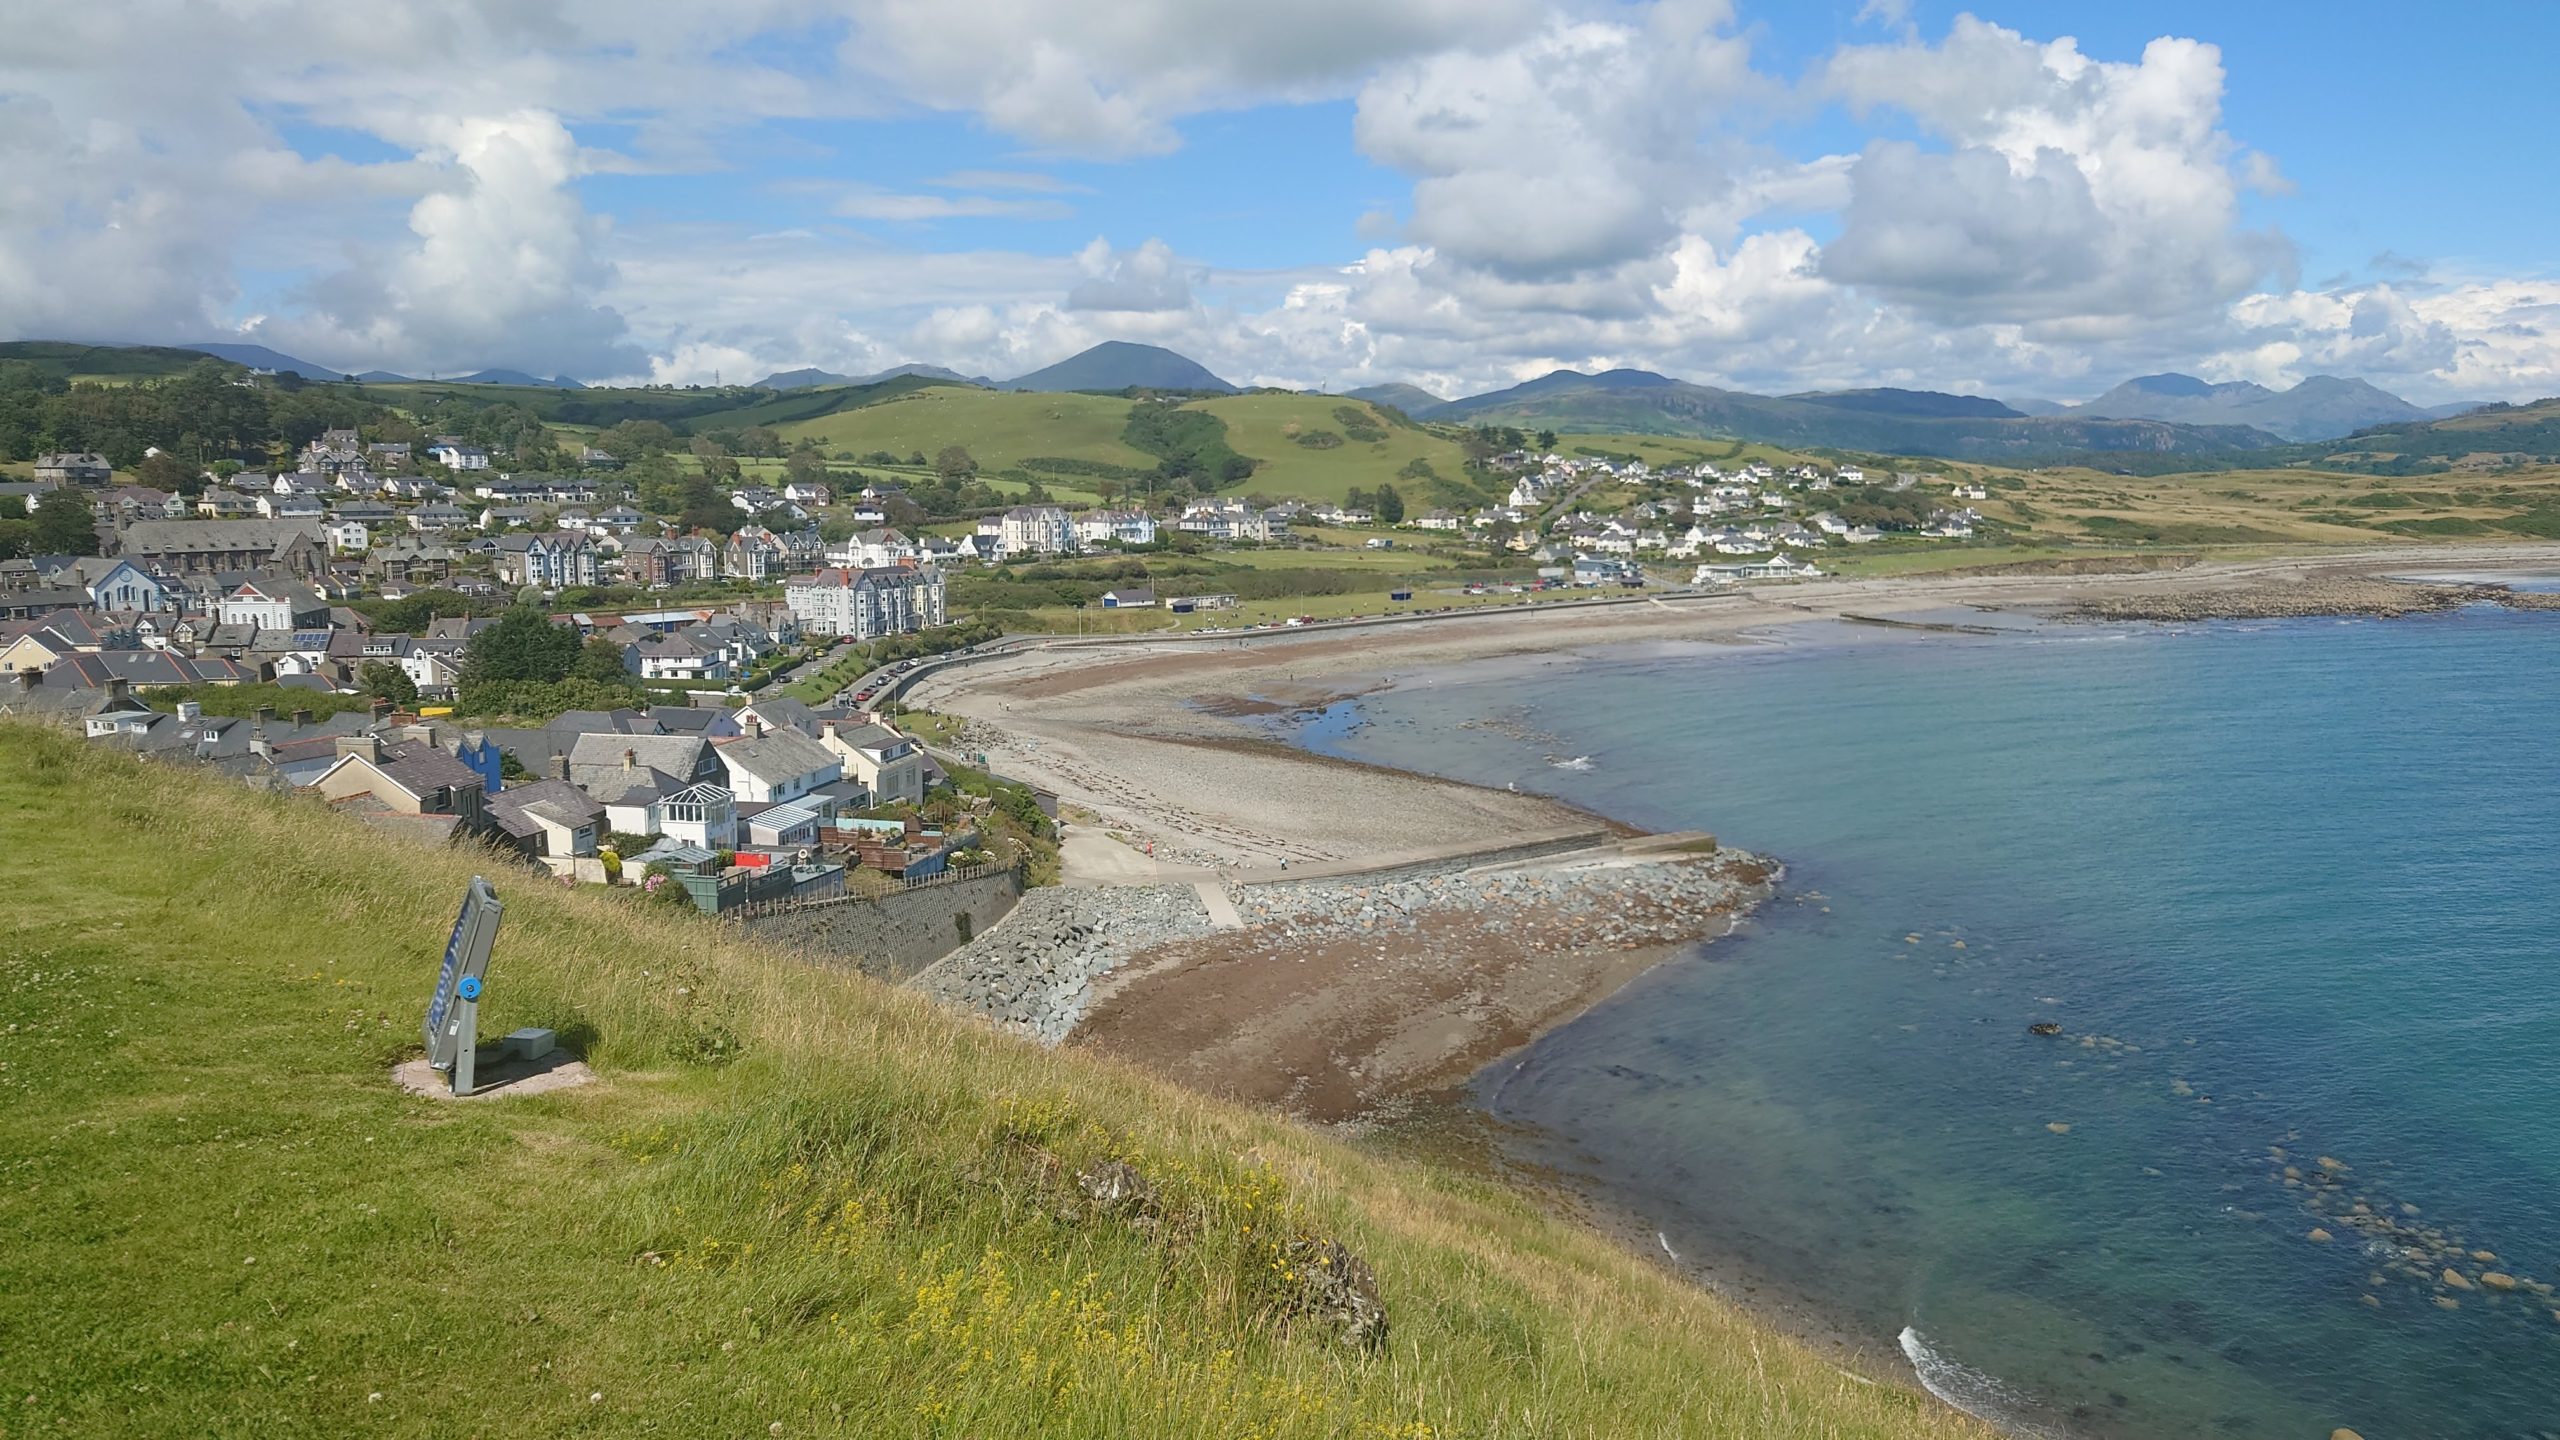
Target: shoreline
x=1099, y=723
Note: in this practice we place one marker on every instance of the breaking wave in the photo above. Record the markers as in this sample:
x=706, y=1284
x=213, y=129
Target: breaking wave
x=1986, y=1398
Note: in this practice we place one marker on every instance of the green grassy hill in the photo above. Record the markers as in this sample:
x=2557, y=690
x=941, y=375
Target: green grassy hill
x=69, y=360
x=1000, y=430
x=1317, y=447
x=797, y=1203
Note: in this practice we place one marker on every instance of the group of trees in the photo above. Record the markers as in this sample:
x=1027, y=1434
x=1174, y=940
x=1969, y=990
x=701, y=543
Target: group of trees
x=63, y=525
x=199, y=415
x=522, y=664
x=1383, y=502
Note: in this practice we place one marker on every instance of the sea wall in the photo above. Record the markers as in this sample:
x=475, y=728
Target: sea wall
x=896, y=935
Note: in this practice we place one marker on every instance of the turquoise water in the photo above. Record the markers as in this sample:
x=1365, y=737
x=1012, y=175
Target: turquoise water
x=2285, y=885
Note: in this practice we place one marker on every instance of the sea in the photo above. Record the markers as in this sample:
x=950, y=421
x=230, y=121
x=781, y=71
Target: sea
x=2287, y=898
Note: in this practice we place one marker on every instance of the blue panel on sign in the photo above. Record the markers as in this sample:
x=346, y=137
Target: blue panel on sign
x=468, y=987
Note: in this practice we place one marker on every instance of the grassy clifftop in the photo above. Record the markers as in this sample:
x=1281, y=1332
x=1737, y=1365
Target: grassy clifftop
x=797, y=1203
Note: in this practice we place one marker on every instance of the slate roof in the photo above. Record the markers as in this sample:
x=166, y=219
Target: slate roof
x=559, y=801
x=780, y=755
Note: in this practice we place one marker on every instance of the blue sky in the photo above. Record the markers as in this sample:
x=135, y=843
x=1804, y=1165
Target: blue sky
x=1460, y=194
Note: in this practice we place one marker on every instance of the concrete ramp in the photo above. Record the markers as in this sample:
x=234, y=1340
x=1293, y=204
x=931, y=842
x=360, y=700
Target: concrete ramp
x=1222, y=911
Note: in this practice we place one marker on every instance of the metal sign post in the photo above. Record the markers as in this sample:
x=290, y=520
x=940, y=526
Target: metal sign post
x=453, y=1015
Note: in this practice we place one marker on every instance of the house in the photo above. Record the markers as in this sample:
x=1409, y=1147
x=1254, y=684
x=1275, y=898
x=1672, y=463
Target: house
x=125, y=587
x=1439, y=520
x=273, y=606
x=196, y=547
x=752, y=554
x=595, y=459
x=82, y=467
x=888, y=764
x=872, y=549
x=1779, y=567
x=1972, y=490
x=809, y=492
x=410, y=779
x=703, y=815
x=410, y=561
x=454, y=455
x=1128, y=599
x=674, y=657
x=548, y=819
x=1115, y=527
x=861, y=604
x=555, y=560
x=347, y=537
x=1230, y=520
x=771, y=766
x=1035, y=530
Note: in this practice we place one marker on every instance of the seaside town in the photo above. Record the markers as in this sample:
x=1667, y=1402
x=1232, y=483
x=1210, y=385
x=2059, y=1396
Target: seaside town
x=703, y=705
x=999, y=720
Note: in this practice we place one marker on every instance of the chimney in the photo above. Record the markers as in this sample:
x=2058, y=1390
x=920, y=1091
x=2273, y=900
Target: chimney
x=560, y=766
x=754, y=728
x=31, y=677
x=189, y=712
x=381, y=709
x=266, y=715
x=301, y=718
x=368, y=745
x=119, y=690
x=827, y=730
x=630, y=758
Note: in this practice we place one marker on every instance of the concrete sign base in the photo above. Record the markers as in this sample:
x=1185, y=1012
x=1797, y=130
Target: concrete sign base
x=555, y=1071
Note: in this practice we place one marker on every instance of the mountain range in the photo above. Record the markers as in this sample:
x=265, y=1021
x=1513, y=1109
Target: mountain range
x=1894, y=422
x=2322, y=407
x=811, y=378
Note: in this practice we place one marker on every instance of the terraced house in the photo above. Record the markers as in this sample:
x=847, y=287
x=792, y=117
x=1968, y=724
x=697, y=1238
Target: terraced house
x=554, y=560
x=862, y=604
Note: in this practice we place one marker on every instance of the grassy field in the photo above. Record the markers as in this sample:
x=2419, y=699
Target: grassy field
x=1270, y=428
x=1000, y=430
x=2287, y=506
x=796, y=1203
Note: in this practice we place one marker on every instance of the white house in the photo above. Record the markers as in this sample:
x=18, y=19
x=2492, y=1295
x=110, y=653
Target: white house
x=1115, y=527
x=771, y=766
x=863, y=603
x=1035, y=530
x=454, y=455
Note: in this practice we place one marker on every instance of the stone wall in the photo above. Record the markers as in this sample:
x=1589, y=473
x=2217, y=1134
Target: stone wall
x=896, y=935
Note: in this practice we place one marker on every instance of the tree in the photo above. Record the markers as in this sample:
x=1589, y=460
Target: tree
x=1390, y=505
x=1546, y=442
x=165, y=471
x=955, y=463
x=386, y=681
x=522, y=644
x=600, y=659
x=761, y=440
x=64, y=525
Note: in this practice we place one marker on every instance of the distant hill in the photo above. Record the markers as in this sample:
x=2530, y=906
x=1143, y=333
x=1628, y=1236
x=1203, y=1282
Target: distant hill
x=811, y=378
x=2321, y=407
x=63, y=359
x=1411, y=399
x=2485, y=435
x=1119, y=365
x=385, y=377
x=259, y=357
x=1911, y=402
x=2036, y=407
x=517, y=377
x=1641, y=402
